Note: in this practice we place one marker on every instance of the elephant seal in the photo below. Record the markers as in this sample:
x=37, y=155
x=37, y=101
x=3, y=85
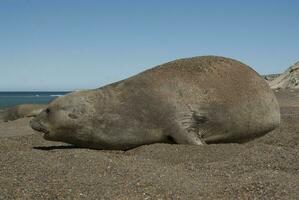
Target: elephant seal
x=21, y=111
x=193, y=101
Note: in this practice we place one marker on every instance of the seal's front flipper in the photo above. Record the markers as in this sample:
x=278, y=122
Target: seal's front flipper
x=190, y=126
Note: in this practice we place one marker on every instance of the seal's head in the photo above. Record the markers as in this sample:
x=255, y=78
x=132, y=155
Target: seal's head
x=65, y=118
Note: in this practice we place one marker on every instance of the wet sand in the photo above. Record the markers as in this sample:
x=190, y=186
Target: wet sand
x=266, y=168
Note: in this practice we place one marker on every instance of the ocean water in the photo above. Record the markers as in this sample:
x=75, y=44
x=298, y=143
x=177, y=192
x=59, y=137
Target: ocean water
x=9, y=99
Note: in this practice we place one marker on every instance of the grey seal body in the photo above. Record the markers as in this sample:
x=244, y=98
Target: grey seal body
x=188, y=101
x=21, y=111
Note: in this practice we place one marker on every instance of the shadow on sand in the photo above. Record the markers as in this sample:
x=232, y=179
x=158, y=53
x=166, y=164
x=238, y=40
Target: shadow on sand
x=49, y=148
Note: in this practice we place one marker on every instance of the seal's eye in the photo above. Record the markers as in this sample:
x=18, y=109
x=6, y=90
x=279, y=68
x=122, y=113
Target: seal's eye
x=48, y=110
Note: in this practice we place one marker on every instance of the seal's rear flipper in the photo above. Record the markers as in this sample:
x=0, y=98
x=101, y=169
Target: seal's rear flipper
x=190, y=129
x=190, y=137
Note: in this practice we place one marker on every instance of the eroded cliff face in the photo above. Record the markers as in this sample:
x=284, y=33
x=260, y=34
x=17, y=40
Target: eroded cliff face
x=287, y=80
x=270, y=77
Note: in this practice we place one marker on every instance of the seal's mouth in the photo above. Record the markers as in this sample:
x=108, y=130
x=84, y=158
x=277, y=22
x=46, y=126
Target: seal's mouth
x=38, y=127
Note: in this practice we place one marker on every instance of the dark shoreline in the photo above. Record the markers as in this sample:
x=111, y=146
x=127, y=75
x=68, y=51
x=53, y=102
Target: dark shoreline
x=10, y=99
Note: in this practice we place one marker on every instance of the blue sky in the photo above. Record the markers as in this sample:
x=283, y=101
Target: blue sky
x=76, y=44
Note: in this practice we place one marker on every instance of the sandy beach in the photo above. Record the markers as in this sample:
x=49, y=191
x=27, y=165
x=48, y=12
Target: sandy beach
x=266, y=168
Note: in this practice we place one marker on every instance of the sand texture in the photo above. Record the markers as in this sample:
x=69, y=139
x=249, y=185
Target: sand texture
x=266, y=168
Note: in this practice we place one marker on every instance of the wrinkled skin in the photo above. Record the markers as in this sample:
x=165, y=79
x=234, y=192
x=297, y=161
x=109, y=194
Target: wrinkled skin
x=188, y=101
